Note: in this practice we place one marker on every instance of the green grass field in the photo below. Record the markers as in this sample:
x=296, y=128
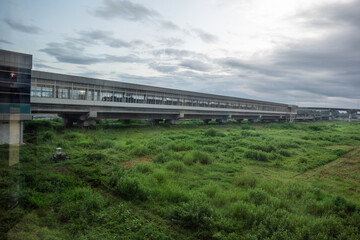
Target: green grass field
x=190, y=181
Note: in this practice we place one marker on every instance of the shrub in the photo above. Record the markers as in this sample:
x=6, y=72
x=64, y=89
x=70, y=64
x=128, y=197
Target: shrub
x=263, y=147
x=194, y=214
x=179, y=146
x=258, y=196
x=256, y=155
x=85, y=144
x=144, y=168
x=339, y=152
x=130, y=189
x=47, y=135
x=210, y=132
x=106, y=144
x=139, y=151
x=161, y=158
x=175, y=166
x=161, y=177
x=247, y=180
x=80, y=204
x=302, y=160
x=188, y=159
x=201, y=157
x=94, y=157
x=284, y=153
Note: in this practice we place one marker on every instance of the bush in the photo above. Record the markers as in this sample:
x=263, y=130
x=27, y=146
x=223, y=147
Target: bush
x=263, y=147
x=339, y=152
x=247, y=180
x=130, y=189
x=81, y=204
x=47, y=135
x=161, y=158
x=161, y=176
x=194, y=214
x=197, y=156
x=175, y=166
x=139, y=151
x=256, y=155
x=258, y=196
x=179, y=146
x=144, y=168
x=284, y=153
x=210, y=132
x=106, y=144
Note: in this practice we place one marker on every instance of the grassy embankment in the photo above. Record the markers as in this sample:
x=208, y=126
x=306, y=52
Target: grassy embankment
x=261, y=181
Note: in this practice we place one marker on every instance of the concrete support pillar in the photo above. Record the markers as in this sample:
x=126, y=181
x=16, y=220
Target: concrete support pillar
x=350, y=116
x=155, y=122
x=11, y=132
x=206, y=121
x=86, y=123
x=68, y=122
x=172, y=121
x=221, y=121
x=239, y=120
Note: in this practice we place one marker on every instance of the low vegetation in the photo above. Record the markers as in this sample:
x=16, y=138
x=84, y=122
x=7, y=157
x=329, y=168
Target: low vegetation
x=190, y=181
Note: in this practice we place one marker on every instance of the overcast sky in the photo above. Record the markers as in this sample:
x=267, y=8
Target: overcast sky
x=304, y=52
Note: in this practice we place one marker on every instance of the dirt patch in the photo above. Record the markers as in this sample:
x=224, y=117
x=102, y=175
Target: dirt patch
x=128, y=164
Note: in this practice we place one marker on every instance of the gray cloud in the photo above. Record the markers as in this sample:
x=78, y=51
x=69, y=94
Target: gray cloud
x=125, y=10
x=205, y=36
x=70, y=53
x=333, y=15
x=4, y=41
x=170, y=42
x=92, y=37
x=18, y=26
x=168, y=25
x=41, y=65
x=178, y=53
x=164, y=68
x=195, y=65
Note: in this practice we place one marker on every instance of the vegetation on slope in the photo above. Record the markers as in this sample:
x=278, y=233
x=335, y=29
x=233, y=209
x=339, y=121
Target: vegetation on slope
x=259, y=181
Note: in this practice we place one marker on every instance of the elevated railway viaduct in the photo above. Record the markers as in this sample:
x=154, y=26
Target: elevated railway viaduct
x=24, y=92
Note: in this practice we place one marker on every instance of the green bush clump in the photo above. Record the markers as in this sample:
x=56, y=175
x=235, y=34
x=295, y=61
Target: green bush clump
x=246, y=180
x=47, y=136
x=176, y=166
x=143, y=168
x=130, y=189
x=106, y=144
x=94, y=157
x=316, y=127
x=161, y=176
x=161, y=158
x=197, y=156
x=125, y=186
x=246, y=133
x=139, y=151
x=258, y=196
x=179, y=146
x=73, y=135
x=263, y=147
x=302, y=160
x=256, y=155
x=339, y=152
x=85, y=144
x=80, y=206
x=195, y=214
x=210, y=132
x=285, y=153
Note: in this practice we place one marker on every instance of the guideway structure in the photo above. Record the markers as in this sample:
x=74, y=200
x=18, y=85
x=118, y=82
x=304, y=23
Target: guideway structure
x=84, y=100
